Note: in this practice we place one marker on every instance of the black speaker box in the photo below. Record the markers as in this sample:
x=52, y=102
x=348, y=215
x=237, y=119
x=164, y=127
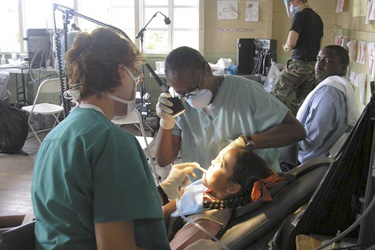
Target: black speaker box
x=245, y=55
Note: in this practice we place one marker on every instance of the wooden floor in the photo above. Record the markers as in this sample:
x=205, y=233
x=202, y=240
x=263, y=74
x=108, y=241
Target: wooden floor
x=15, y=180
x=16, y=174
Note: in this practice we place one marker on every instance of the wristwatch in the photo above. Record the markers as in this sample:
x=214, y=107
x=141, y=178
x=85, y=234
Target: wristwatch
x=250, y=144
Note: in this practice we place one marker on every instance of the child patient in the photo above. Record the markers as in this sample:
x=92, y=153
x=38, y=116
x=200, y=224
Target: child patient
x=233, y=179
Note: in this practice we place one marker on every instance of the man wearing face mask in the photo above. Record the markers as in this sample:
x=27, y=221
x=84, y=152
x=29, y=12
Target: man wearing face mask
x=297, y=79
x=218, y=110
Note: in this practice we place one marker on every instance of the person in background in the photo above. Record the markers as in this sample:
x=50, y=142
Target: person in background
x=218, y=109
x=92, y=187
x=331, y=108
x=297, y=79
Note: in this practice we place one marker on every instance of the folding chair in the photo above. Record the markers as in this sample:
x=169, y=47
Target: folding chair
x=48, y=86
x=136, y=119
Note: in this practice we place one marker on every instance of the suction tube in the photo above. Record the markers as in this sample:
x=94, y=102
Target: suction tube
x=206, y=232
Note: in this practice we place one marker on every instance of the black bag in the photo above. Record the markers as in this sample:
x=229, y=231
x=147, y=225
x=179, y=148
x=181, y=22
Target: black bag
x=13, y=128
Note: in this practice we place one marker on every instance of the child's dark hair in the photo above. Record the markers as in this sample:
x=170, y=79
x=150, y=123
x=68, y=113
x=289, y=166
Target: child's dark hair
x=248, y=169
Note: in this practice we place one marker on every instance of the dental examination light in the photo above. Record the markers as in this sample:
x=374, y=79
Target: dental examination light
x=68, y=13
x=167, y=21
x=177, y=107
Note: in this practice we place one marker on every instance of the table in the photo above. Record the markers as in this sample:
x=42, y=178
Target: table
x=22, y=69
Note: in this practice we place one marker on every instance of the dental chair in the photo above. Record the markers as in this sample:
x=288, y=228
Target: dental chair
x=19, y=238
x=253, y=225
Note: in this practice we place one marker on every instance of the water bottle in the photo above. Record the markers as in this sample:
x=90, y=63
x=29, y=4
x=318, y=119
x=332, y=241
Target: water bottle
x=14, y=57
x=3, y=60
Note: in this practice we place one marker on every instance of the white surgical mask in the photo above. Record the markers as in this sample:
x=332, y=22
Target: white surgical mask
x=130, y=105
x=200, y=100
x=73, y=93
x=293, y=10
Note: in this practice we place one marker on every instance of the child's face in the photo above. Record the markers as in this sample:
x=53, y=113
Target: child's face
x=216, y=177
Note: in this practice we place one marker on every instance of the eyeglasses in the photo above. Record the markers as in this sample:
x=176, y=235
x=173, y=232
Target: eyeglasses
x=194, y=92
x=137, y=77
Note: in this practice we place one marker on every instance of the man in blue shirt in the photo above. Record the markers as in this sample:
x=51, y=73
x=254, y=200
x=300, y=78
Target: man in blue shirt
x=331, y=108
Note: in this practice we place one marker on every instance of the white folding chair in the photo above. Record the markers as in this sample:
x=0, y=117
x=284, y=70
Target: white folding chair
x=135, y=118
x=48, y=86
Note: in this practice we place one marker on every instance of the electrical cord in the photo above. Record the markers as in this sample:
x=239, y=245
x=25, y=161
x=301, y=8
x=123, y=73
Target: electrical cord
x=264, y=55
x=205, y=231
x=60, y=68
x=350, y=228
x=40, y=63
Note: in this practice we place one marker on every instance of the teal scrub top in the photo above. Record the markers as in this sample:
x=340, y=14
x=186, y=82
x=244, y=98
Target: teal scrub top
x=88, y=171
x=241, y=106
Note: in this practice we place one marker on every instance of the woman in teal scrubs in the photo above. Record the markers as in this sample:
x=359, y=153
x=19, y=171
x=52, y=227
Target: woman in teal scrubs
x=92, y=187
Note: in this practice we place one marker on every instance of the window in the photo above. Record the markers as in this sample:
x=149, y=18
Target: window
x=127, y=15
x=161, y=38
x=9, y=30
x=118, y=13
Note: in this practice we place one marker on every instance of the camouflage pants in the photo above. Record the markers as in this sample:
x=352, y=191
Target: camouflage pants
x=294, y=83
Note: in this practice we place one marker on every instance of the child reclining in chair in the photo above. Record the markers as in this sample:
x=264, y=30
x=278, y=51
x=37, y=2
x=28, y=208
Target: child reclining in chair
x=233, y=179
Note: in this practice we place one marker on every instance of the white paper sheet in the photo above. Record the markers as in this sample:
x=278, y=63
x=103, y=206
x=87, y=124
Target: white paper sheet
x=252, y=11
x=227, y=10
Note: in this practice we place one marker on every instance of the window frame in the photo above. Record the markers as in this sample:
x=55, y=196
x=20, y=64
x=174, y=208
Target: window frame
x=138, y=24
x=170, y=28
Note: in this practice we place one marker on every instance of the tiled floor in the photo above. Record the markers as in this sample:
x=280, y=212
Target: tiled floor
x=16, y=174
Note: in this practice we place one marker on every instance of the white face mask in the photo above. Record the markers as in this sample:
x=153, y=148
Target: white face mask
x=130, y=105
x=201, y=100
x=293, y=10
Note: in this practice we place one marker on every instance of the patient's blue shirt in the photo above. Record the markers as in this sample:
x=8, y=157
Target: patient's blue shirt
x=191, y=201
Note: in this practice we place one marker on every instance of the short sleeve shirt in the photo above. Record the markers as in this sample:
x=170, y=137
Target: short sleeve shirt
x=309, y=27
x=241, y=106
x=88, y=171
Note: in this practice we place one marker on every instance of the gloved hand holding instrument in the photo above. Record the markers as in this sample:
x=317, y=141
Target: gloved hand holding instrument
x=167, y=108
x=178, y=177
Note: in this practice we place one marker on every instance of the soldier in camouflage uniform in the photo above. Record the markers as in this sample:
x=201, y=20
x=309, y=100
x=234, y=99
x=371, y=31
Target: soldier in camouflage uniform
x=298, y=78
x=294, y=83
